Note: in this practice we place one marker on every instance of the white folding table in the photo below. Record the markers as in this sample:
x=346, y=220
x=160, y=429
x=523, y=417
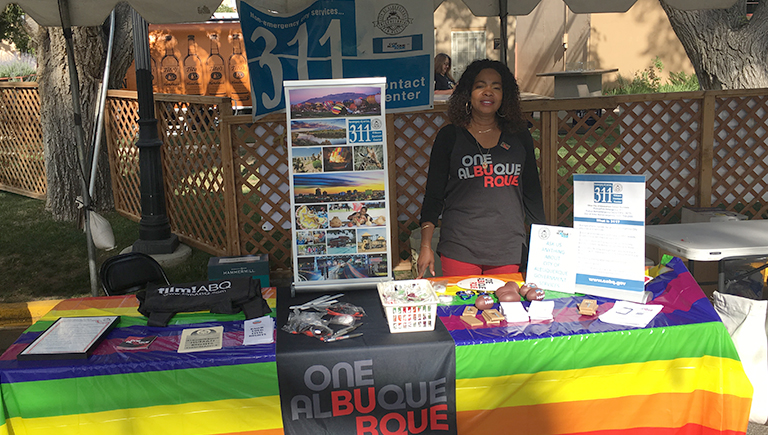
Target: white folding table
x=711, y=241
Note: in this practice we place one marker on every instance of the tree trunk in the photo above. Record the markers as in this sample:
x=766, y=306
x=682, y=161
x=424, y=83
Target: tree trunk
x=61, y=158
x=727, y=50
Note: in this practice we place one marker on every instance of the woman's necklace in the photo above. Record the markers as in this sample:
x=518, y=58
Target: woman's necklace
x=487, y=130
x=482, y=153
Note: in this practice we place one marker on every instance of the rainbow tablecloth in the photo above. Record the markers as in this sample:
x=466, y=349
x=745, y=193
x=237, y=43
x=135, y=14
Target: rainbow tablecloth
x=576, y=375
x=159, y=391
x=679, y=375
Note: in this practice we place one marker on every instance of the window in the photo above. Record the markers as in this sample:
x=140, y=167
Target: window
x=466, y=46
x=751, y=5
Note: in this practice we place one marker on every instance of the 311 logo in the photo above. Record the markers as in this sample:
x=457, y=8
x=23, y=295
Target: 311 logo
x=608, y=193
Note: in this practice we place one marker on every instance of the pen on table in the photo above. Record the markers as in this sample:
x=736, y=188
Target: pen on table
x=343, y=337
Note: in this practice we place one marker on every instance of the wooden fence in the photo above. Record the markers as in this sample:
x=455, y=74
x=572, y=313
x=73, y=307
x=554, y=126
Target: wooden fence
x=226, y=177
x=22, y=156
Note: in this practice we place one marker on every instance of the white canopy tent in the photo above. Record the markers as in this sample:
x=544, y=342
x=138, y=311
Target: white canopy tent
x=95, y=12
x=493, y=8
x=504, y=8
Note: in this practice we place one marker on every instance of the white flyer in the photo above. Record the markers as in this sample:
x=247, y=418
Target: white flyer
x=609, y=214
x=199, y=339
x=260, y=330
x=552, y=258
x=514, y=312
x=541, y=310
x=630, y=314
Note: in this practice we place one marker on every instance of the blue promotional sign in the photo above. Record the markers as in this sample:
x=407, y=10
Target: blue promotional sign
x=341, y=39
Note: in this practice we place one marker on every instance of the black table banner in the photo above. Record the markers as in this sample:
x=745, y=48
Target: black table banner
x=378, y=383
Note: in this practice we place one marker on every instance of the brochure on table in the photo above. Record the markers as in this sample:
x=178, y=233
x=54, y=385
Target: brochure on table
x=553, y=257
x=609, y=214
x=338, y=179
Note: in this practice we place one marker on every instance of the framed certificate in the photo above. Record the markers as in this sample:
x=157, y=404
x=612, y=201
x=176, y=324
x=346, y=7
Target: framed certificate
x=69, y=338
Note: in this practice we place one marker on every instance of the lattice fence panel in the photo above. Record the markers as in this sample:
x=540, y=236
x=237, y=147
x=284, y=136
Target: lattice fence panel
x=122, y=132
x=414, y=134
x=193, y=172
x=740, y=155
x=587, y=143
x=262, y=190
x=662, y=140
x=658, y=139
x=22, y=152
x=534, y=125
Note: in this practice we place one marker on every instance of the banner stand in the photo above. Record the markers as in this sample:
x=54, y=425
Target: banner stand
x=339, y=189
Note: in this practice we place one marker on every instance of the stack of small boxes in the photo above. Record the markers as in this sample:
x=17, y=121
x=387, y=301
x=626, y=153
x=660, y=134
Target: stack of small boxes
x=255, y=266
x=492, y=317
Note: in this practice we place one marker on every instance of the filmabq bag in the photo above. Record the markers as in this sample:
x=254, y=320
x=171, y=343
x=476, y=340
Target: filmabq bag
x=226, y=296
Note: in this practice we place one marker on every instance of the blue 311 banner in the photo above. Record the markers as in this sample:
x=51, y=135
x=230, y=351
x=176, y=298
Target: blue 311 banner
x=341, y=39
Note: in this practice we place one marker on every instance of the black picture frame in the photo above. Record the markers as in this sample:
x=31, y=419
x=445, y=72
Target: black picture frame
x=83, y=333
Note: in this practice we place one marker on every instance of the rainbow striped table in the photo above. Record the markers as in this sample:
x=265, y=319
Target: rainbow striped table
x=157, y=391
x=576, y=375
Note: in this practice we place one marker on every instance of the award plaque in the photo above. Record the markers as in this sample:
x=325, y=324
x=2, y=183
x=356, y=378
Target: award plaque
x=69, y=338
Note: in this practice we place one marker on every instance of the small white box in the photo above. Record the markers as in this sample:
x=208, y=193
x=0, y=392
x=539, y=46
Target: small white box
x=709, y=214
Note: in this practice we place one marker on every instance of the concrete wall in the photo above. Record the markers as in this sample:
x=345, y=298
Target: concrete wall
x=454, y=15
x=630, y=41
x=627, y=41
x=540, y=45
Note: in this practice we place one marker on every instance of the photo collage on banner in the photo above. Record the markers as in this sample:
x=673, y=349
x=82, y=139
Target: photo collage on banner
x=338, y=177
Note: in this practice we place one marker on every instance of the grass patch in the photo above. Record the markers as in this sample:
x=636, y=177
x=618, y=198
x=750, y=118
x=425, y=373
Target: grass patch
x=46, y=259
x=649, y=81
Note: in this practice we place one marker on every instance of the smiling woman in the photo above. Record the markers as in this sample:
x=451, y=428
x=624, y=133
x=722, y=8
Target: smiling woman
x=482, y=179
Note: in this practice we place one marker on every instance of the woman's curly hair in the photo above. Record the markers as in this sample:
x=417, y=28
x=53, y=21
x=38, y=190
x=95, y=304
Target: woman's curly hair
x=512, y=120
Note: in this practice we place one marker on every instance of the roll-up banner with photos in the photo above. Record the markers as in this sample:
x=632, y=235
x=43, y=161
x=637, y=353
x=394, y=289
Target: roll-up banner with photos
x=338, y=180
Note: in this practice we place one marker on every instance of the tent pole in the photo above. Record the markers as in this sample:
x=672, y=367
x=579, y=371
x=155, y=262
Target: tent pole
x=79, y=139
x=102, y=104
x=503, y=31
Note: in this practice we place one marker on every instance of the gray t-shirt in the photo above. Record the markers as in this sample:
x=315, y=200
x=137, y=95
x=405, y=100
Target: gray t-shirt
x=483, y=209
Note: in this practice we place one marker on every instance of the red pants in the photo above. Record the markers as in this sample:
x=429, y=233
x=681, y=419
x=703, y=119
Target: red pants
x=453, y=267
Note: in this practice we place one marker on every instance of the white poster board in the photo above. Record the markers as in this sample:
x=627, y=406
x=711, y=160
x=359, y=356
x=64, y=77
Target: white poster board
x=553, y=257
x=609, y=213
x=336, y=136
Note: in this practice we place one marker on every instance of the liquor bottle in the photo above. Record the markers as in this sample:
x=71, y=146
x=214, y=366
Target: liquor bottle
x=155, y=77
x=238, y=73
x=193, y=69
x=214, y=68
x=169, y=66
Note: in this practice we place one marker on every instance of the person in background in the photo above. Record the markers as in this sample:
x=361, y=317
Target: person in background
x=444, y=82
x=482, y=178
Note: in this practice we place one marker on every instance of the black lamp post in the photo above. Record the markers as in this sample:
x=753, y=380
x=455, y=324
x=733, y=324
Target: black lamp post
x=155, y=235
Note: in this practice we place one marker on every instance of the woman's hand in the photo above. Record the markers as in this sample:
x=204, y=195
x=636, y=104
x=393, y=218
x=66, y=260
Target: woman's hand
x=426, y=260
